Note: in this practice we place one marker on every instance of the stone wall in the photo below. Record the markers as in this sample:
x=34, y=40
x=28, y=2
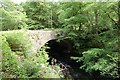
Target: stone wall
x=38, y=38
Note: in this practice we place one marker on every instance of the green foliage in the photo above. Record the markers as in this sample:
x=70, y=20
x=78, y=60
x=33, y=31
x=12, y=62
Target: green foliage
x=100, y=59
x=37, y=66
x=111, y=40
x=41, y=15
x=14, y=42
x=94, y=30
x=9, y=61
x=12, y=16
x=104, y=59
x=38, y=13
x=49, y=72
x=93, y=27
x=18, y=41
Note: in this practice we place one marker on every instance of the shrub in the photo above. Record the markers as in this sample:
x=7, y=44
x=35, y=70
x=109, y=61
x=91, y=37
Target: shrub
x=101, y=60
x=14, y=43
x=9, y=62
x=18, y=41
x=37, y=66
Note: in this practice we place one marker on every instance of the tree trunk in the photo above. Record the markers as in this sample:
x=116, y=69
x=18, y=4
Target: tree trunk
x=96, y=22
x=119, y=15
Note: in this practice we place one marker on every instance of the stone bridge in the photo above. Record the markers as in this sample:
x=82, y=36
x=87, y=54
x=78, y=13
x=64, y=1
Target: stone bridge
x=38, y=38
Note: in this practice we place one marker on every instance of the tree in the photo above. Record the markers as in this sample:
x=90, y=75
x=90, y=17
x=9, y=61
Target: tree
x=94, y=29
x=13, y=16
x=38, y=14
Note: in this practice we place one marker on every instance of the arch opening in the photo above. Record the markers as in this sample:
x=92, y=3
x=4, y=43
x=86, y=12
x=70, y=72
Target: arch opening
x=62, y=51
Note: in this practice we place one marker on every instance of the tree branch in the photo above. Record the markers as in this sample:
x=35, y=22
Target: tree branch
x=111, y=18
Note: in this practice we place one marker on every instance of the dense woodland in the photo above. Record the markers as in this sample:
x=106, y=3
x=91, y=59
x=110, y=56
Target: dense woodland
x=90, y=30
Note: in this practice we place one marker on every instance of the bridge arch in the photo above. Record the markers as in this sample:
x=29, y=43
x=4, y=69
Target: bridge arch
x=61, y=51
x=38, y=38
